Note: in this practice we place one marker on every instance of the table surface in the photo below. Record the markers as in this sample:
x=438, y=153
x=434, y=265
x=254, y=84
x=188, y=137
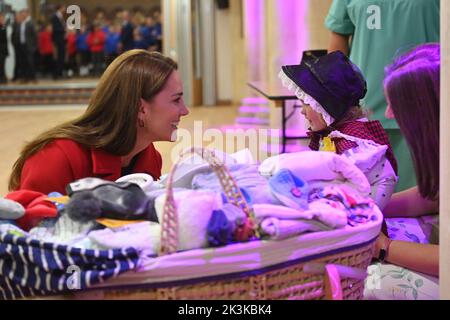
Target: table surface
x=272, y=91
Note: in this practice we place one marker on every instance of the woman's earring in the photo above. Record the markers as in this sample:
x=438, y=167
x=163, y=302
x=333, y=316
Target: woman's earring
x=141, y=123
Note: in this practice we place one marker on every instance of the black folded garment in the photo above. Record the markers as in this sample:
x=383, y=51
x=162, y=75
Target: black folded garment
x=94, y=198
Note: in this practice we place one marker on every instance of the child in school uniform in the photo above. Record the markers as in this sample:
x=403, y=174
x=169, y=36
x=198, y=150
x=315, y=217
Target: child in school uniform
x=330, y=88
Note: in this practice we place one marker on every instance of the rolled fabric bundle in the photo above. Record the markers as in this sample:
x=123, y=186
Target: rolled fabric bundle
x=279, y=229
x=317, y=166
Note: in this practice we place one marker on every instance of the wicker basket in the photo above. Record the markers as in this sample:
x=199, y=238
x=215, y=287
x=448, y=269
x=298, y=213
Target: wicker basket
x=298, y=280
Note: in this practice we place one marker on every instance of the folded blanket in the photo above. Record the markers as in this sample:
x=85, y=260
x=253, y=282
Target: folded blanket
x=64, y=231
x=318, y=210
x=278, y=229
x=318, y=166
x=143, y=236
x=246, y=176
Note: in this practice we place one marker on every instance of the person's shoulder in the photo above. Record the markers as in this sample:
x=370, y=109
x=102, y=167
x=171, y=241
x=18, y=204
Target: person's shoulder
x=352, y=125
x=151, y=151
x=57, y=153
x=68, y=147
x=369, y=129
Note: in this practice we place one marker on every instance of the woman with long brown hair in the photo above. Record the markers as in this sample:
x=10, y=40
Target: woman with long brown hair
x=412, y=87
x=138, y=100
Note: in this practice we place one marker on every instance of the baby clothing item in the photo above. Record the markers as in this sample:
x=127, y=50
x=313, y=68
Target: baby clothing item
x=11, y=210
x=83, y=206
x=64, y=231
x=263, y=211
x=194, y=209
x=143, y=180
x=220, y=229
x=318, y=168
x=8, y=228
x=143, y=236
x=234, y=214
x=371, y=158
x=323, y=212
x=37, y=207
x=419, y=230
x=58, y=199
x=247, y=178
x=192, y=165
x=391, y=282
x=279, y=229
x=359, y=209
x=230, y=224
x=289, y=189
x=116, y=200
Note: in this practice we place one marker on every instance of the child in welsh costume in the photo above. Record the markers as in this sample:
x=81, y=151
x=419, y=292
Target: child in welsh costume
x=330, y=88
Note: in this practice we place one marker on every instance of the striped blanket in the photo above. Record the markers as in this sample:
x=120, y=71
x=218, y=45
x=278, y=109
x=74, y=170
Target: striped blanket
x=32, y=268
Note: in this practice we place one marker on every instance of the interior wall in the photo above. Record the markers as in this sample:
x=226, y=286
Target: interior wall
x=239, y=72
x=224, y=58
x=318, y=34
x=308, y=33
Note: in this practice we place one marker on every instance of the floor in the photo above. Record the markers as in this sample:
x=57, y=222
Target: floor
x=21, y=124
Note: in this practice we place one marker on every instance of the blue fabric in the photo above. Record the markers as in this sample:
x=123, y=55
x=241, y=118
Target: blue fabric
x=220, y=230
x=246, y=176
x=31, y=267
x=245, y=194
x=289, y=189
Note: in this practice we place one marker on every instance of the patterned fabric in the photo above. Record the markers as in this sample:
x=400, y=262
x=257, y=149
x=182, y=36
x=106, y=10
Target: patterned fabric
x=370, y=130
x=359, y=210
x=391, y=282
x=31, y=267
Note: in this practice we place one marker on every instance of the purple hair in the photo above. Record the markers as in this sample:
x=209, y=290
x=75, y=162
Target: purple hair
x=412, y=89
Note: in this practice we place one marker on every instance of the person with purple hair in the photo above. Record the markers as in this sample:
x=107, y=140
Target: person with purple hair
x=371, y=33
x=410, y=269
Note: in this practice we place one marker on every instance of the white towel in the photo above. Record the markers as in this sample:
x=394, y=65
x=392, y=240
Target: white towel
x=194, y=208
x=263, y=211
x=326, y=212
x=318, y=166
x=320, y=210
x=143, y=236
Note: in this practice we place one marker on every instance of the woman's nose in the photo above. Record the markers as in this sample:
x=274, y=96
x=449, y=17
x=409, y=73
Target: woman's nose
x=184, y=111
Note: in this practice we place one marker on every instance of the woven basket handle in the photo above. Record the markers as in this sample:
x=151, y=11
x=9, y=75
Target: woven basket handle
x=169, y=228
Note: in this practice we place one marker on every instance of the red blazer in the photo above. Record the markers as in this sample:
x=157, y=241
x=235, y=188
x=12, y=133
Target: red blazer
x=63, y=161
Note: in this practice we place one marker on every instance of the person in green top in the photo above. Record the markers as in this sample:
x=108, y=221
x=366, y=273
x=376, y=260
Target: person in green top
x=374, y=33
